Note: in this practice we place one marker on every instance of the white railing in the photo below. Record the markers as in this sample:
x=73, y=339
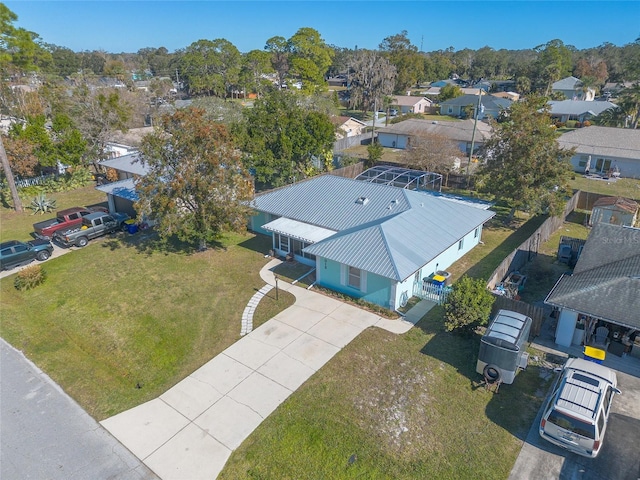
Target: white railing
x=429, y=291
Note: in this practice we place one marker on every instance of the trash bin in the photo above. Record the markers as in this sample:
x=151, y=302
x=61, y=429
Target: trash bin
x=132, y=228
x=438, y=281
x=593, y=354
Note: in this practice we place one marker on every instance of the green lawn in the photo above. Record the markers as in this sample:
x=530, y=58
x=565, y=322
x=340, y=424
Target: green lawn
x=399, y=406
x=119, y=322
x=624, y=187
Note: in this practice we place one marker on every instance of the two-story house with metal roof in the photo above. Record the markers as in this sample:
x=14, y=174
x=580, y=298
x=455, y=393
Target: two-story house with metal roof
x=371, y=241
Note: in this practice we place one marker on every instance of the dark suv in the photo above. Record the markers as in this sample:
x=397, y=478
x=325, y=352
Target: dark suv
x=14, y=253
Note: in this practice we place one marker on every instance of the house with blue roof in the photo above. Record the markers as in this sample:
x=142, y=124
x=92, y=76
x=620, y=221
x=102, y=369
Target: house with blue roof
x=372, y=241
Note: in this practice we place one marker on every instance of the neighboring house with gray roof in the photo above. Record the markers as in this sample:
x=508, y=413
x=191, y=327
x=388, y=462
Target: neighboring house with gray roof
x=604, y=149
x=490, y=106
x=573, y=89
x=579, y=110
x=371, y=241
x=399, y=135
x=604, y=286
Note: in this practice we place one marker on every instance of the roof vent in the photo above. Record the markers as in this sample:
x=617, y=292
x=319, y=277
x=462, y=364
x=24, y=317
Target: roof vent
x=362, y=200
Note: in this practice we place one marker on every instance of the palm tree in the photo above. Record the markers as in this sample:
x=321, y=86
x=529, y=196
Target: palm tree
x=629, y=103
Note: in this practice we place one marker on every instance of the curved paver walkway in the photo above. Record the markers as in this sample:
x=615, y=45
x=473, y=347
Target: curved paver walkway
x=249, y=310
x=190, y=430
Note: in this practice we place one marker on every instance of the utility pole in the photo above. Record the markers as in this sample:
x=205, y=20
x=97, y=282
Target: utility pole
x=375, y=114
x=473, y=135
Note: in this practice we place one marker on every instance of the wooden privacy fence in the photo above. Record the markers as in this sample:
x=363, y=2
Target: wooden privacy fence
x=529, y=248
x=348, y=142
x=536, y=313
x=350, y=171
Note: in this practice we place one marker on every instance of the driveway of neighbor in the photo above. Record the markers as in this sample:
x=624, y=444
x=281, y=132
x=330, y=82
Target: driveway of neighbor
x=191, y=430
x=57, y=251
x=45, y=434
x=618, y=459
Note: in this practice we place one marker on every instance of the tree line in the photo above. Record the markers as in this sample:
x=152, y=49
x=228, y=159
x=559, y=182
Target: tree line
x=219, y=150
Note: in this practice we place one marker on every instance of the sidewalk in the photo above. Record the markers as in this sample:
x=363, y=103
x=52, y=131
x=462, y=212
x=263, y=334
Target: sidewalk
x=191, y=430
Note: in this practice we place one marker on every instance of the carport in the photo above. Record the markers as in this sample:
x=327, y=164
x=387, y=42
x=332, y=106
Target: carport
x=121, y=196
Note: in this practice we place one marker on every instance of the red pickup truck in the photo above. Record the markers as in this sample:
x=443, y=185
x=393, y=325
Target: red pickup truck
x=65, y=220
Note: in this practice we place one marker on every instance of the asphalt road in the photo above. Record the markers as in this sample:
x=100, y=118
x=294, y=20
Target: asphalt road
x=46, y=435
x=618, y=460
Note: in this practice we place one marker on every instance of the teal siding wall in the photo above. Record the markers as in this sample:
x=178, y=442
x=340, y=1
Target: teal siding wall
x=257, y=221
x=378, y=289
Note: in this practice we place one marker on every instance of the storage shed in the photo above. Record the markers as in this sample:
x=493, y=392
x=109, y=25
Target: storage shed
x=503, y=346
x=615, y=210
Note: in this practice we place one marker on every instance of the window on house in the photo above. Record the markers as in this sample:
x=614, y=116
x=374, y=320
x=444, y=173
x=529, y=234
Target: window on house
x=354, y=277
x=461, y=244
x=284, y=243
x=476, y=232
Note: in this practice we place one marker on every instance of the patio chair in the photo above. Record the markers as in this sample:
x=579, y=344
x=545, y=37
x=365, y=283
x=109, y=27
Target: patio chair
x=601, y=338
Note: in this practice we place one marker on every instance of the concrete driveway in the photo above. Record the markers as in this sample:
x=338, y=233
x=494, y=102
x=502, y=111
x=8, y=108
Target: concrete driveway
x=190, y=431
x=618, y=460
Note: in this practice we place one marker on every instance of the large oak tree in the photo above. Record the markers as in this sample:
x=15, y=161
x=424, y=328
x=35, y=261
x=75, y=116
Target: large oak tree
x=285, y=141
x=524, y=165
x=196, y=187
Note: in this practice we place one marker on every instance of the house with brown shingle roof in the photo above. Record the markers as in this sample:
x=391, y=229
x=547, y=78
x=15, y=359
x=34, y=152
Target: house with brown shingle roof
x=603, y=149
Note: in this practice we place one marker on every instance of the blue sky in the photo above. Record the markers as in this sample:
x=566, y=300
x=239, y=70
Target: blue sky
x=125, y=26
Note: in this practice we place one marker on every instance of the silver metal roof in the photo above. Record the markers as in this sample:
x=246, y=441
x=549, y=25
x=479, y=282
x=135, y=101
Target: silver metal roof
x=298, y=230
x=382, y=229
x=127, y=163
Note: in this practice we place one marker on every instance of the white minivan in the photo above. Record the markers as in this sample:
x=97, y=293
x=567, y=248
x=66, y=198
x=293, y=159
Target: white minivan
x=577, y=411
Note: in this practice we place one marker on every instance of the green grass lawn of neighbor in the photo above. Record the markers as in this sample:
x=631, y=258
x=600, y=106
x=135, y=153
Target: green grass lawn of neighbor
x=623, y=187
x=19, y=226
x=396, y=406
